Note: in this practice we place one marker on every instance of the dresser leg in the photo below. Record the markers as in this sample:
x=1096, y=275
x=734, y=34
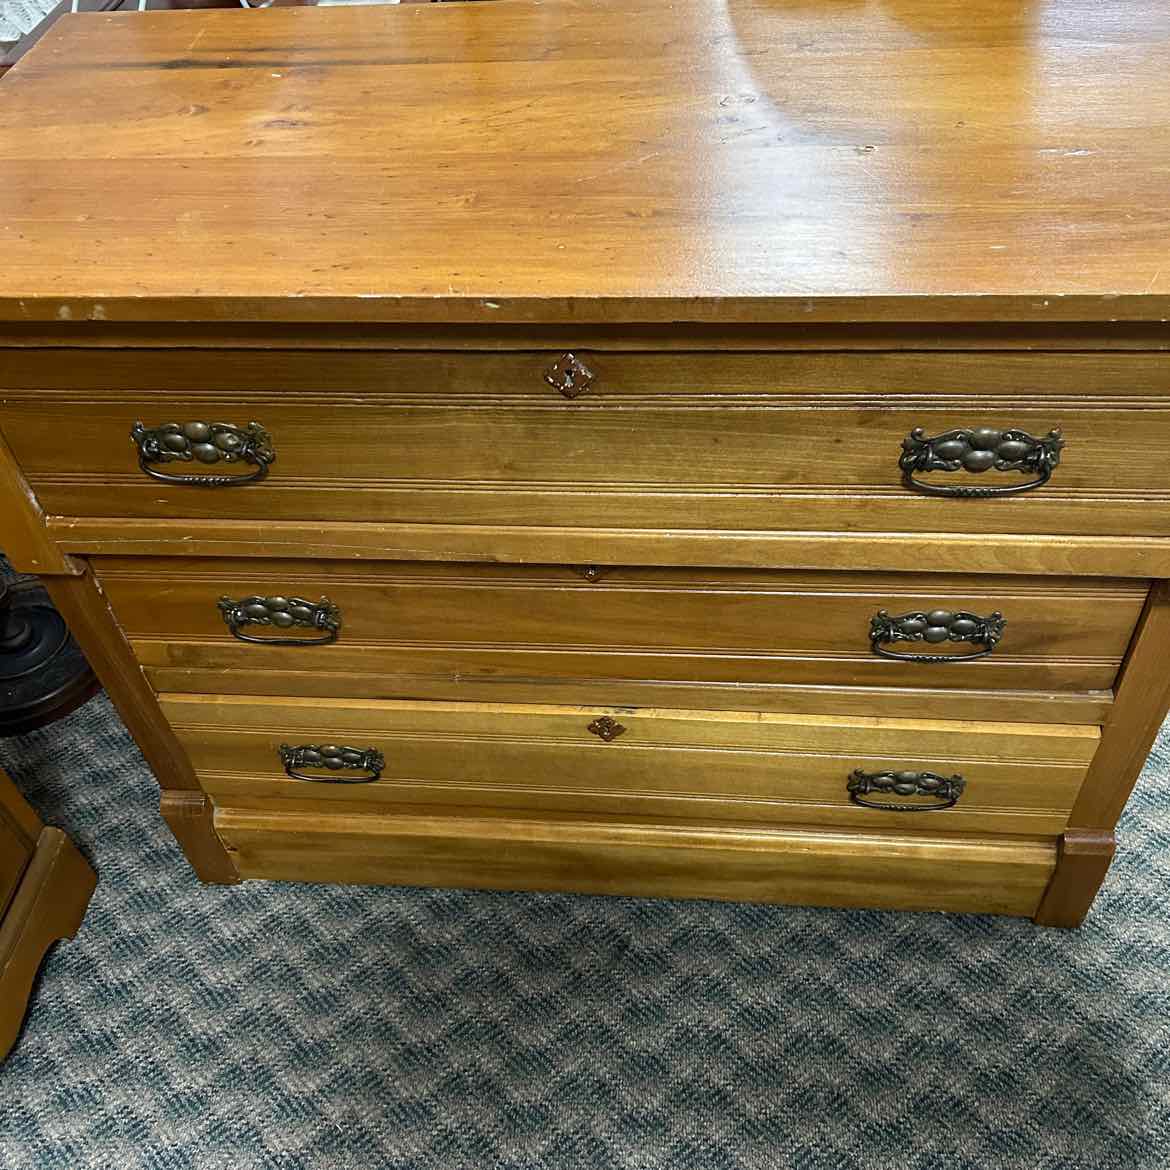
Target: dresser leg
x=49, y=905
x=186, y=809
x=1081, y=864
x=191, y=818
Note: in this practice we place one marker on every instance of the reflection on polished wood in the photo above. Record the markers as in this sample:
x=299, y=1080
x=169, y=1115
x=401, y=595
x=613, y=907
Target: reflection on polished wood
x=593, y=160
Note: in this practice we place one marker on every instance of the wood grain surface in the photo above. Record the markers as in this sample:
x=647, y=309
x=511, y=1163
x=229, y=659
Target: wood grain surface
x=820, y=869
x=1143, y=699
x=23, y=535
x=950, y=552
x=45, y=887
x=49, y=905
x=476, y=623
x=591, y=160
x=85, y=610
x=700, y=766
x=19, y=829
x=1082, y=861
x=680, y=440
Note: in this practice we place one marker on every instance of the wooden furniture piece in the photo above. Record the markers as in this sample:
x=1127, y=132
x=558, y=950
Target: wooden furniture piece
x=11, y=52
x=544, y=445
x=45, y=886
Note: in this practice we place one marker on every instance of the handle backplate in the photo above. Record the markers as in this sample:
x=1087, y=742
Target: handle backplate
x=333, y=759
x=979, y=449
x=282, y=613
x=202, y=442
x=944, y=790
x=935, y=627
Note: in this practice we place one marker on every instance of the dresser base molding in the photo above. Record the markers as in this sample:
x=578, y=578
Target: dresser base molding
x=817, y=869
x=48, y=906
x=1083, y=859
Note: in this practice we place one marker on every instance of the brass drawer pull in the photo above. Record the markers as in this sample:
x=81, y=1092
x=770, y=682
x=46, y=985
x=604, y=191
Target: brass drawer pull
x=569, y=376
x=333, y=759
x=283, y=613
x=203, y=443
x=935, y=627
x=606, y=728
x=945, y=790
x=978, y=449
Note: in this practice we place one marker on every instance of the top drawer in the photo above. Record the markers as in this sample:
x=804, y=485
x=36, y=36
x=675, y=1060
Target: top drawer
x=675, y=440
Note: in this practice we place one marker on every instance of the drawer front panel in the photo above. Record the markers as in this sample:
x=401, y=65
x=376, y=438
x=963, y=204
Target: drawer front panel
x=698, y=766
x=820, y=869
x=755, y=442
x=478, y=623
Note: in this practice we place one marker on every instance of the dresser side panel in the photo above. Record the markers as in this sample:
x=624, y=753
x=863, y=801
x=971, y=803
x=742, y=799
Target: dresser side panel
x=92, y=623
x=24, y=539
x=1141, y=703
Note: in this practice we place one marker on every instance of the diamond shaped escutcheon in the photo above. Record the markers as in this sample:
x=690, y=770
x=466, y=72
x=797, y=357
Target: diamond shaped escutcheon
x=569, y=376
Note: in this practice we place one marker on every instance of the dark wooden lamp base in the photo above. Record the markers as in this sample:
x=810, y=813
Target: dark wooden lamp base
x=43, y=674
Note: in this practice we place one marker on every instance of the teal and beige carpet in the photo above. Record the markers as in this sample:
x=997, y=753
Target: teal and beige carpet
x=281, y=1027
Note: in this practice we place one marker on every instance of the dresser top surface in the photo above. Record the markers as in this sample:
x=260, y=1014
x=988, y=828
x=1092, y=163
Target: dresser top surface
x=593, y=160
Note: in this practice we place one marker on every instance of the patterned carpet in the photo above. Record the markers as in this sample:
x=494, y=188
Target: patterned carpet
x=273, y=1027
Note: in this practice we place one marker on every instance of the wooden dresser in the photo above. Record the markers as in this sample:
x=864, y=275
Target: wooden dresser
x=720, y=451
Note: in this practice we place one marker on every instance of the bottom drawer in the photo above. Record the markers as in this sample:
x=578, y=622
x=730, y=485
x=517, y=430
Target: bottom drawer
x=702, y=767
x=819, y=869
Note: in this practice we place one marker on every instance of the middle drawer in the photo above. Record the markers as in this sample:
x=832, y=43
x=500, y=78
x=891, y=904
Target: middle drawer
x=531, y=633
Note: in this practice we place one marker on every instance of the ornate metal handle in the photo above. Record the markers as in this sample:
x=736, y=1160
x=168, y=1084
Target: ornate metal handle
x=205, y=443
x=284, y=613
x=945, y=790
x=979, y=449
x=335, y=759
x=939, y=625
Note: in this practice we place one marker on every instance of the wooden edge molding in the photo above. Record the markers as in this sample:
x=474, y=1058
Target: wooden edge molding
x=1082, y=861
x=1008, y=553
x=48, y=906
x=1141, y=700
x=1096, y=335
x=191, y=817
x=470, y=309
x=24, y=538
x=188, y=812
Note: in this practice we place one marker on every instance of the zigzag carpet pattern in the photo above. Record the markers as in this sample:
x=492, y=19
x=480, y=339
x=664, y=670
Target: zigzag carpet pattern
x=302, y=1027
